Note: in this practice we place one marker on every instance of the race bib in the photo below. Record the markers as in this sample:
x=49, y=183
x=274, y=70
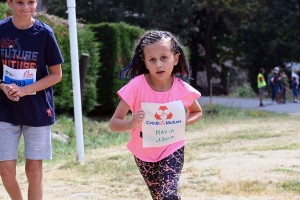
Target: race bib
x=163, y=124
x=20, y=77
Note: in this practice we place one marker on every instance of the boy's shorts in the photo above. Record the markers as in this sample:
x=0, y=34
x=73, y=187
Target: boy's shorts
x=37, y=141
x=295, y=92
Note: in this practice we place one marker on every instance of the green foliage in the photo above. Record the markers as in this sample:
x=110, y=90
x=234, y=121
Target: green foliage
x=290, y=185
x=116, y=52
x=203, y=26
x=3, y=10
x=245, y=91
x=103, y=11
x=263, y=33
x=269, y=35
x=86, y=44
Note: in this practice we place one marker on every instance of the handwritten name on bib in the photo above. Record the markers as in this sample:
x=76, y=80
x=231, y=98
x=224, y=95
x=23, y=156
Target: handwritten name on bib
x=163, y=124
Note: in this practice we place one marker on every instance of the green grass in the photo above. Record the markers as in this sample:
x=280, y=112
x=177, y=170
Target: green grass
x=221, y=114
x=287, y=171
x=222, y=133
x=274, y=147
x=290, y=185
x=118, y=165
x=97, y=133
x=251, y=136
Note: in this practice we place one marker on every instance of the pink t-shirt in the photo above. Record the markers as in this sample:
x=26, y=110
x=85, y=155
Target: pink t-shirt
x=137, y=91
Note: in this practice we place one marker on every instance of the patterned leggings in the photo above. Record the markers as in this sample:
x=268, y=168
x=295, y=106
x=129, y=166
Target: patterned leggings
x=162, y=177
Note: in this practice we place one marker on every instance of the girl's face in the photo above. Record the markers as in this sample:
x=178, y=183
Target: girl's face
x=22, y=9
x=160, y=60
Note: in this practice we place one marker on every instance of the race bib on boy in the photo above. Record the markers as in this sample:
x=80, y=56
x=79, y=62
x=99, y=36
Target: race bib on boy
x=163, y=124
x=20, y=77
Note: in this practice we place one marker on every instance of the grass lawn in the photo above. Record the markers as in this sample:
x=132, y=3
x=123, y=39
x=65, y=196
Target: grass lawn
x=230, y=154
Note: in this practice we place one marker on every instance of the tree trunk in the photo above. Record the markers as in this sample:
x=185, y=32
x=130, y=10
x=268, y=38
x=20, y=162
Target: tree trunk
x=194, y=60
x=207, y=46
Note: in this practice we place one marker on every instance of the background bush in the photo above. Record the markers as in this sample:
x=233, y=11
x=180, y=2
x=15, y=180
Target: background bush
x=118, y=41
x=86, y=44
x=3, y=10
x=245, y=91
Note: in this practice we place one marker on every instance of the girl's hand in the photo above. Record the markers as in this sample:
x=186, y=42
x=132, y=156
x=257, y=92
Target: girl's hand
x=11, y=91
x=137, y=118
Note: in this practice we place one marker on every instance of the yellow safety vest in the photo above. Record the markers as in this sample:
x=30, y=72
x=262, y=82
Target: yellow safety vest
x=262, y=83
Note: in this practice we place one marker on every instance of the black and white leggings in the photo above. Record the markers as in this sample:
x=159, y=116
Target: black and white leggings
x=162, y=177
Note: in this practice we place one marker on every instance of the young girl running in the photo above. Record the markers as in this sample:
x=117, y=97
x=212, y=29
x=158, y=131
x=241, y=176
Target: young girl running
x=157, y=98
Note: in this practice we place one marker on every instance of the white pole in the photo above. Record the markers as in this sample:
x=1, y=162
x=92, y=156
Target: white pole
x=76, y=80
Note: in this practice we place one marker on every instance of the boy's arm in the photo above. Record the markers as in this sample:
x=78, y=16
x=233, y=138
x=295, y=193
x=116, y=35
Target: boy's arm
x=2, y=84
x=55, y=76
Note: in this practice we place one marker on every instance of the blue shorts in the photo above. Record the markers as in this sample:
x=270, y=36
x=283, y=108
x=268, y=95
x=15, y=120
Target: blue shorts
x=37, y=141
x=295, y=92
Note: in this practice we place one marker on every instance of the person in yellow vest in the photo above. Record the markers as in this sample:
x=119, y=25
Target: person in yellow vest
x=261, y=84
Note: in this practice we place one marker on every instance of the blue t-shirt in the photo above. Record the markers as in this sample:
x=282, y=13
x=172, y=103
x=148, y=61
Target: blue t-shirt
x=35, y=48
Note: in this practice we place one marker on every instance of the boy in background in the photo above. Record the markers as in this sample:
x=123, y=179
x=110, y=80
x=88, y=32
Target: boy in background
x=32, y=64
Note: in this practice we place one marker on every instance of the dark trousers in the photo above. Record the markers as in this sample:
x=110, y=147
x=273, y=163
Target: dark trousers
x=162, y=177
x=283, y=94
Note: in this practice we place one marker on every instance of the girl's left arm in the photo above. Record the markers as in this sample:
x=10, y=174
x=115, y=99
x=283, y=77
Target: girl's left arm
x=194, y=113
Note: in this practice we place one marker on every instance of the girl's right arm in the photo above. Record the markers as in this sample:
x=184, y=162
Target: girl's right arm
x=118, y=122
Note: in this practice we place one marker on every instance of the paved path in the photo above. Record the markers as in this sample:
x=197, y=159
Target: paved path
x=289, y=107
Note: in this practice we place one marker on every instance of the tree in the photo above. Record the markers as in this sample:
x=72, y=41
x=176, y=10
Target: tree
x=269, y=35
x=97, y=11
x=265, y=33
x=214, y=23
x=205, y=27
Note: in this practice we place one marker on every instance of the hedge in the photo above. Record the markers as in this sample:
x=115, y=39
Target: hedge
x=118, y=41
x=86, y=44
